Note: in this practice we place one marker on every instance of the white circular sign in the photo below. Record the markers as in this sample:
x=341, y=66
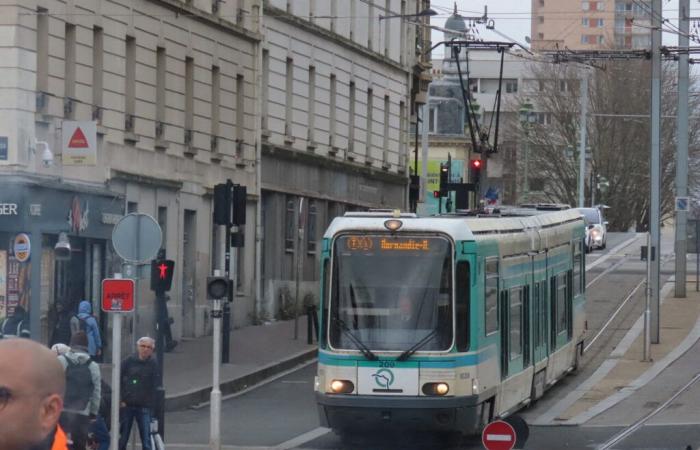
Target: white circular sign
x=22, y=247
x=137, y=237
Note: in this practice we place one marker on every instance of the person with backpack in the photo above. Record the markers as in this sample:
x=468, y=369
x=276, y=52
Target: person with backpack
x=139, y=380
x=84, y=321
x=81, y=402
x=98, y=432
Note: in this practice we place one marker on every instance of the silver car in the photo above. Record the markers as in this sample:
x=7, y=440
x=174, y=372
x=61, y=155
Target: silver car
x=596, y=228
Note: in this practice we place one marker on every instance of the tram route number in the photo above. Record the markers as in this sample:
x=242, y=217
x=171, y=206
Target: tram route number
x=387, y=364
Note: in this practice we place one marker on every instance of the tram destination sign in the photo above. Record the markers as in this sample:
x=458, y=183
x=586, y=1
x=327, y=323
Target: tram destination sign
x=382, y=244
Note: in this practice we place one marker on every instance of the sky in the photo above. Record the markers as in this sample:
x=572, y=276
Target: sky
x=512, y=18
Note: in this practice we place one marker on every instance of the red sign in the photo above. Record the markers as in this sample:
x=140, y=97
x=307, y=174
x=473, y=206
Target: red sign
x=117, y=295
x=498, y=435
x=78, y=140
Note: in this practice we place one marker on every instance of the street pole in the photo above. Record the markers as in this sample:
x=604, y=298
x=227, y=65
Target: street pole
x=215, y=397
x=582, y=147
x=655, y=161
x=300, y=241
x=227, y=272
x=424, y=152
x=647, y=309
x=116, y=369
x=682, y=147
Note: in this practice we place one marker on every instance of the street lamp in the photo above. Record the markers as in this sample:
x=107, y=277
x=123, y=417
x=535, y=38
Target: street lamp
x=527, y=118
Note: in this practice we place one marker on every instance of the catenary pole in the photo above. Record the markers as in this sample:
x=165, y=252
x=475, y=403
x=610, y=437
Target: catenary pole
x=682, y=147
x=582, y=148
x=654, y=188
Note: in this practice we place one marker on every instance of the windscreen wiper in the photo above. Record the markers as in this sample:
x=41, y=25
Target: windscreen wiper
x=360, y=345
x=407, y=354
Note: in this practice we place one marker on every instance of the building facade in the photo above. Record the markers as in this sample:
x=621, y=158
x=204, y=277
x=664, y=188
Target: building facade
x=590, y=24
x=170, y=89
x=340, y=81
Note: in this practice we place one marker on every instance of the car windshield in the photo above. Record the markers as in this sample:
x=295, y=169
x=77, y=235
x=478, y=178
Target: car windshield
x=590, y=215
x=391, y=292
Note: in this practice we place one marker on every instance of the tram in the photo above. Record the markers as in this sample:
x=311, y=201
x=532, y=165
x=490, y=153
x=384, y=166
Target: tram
x=446, y=323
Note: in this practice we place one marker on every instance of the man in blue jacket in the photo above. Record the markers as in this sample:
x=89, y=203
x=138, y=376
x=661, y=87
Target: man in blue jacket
x=85, y=322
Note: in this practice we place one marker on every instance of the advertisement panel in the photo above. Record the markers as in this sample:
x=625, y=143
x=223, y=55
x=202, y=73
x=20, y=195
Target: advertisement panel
x=3, y=284
x=433, y=184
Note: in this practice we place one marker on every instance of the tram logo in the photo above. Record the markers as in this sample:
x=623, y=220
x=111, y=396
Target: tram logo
x=384, y=378
x=359, y=243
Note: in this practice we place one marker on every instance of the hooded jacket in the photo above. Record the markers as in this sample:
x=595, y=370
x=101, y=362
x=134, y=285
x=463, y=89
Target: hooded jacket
x=92, y=330
x=16, y=324
x=78, y=355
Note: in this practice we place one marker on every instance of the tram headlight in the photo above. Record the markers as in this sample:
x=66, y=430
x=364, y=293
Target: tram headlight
x=342, y=386
x=438, y=389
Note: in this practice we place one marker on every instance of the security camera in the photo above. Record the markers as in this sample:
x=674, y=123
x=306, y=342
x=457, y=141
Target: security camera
x=46, y=155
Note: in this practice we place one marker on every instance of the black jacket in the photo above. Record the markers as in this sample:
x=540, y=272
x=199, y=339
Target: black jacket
x=139, y=380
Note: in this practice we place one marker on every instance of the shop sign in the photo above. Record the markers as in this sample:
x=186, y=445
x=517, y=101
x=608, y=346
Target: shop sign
x=79, y=143
x=22, y=247
x=111, y=219
x=35, y=209
x=8, y=209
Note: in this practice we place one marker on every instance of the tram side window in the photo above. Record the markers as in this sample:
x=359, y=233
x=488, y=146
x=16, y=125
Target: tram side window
x=561, y=303
x=516, y=323
x=462, y=313
x=491, y=297
x=326, y=298
x=578, y=268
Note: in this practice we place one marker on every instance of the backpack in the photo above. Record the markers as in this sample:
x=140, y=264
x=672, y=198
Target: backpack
x=79, y=385
x=82, y=325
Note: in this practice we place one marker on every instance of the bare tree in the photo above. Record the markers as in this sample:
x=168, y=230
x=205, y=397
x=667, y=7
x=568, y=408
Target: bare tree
x=618, y=137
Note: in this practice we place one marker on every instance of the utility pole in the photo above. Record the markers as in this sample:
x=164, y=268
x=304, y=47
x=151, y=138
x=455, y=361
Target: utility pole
x=655, y=161
x=682, y=146
x=582, y=148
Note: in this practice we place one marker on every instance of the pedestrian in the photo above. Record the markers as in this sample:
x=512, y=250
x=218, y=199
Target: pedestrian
x=139, y=380
x=98, y=433
x=61, y=331
x=81, y=402
x=31, y=397
x=85, y=321
x=17, y=324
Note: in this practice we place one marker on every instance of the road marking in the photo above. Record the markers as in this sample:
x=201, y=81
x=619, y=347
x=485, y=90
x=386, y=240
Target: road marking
x=303, y=438
x=640, y=423
x=499, y=437
x=613, y=251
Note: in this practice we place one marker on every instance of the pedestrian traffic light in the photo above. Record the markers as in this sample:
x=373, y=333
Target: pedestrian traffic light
x=162, y=274
x=217, y=287
x=475, y=166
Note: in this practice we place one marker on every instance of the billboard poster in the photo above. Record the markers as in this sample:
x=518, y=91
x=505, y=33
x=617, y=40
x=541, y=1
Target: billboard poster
x=17, y=285
x=3, y=283
x=433, y=184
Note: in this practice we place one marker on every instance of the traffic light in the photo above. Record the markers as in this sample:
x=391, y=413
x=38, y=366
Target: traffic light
x=222, y=204
x=217, y=287
x=239, y=204
x=162, y=274
x=475, y=166
x=444, y=178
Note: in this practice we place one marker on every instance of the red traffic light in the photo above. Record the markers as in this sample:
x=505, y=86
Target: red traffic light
x=436, y=194
x=475, y=164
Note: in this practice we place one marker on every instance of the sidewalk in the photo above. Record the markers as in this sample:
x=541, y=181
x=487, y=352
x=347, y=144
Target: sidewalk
x=256, y=353
x=624, y=374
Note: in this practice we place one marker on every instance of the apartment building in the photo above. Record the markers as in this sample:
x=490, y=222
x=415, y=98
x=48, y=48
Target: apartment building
x=590, y=24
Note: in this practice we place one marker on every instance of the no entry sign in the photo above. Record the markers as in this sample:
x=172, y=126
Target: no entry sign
x=117, y=295
x=498, y=435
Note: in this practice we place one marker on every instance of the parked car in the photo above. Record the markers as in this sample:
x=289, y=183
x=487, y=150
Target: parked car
x=596, y=228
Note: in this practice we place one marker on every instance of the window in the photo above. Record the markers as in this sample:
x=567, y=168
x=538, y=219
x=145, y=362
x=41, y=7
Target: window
x=541, y=2
x=189, y=93
x=42, y=49
x=69, y=79
x=289, y=86
x=332, y=100
x=240, y=112
x=600, y=23
x=385, y=144
x=402, y=135
x=160, y=90
x=511, y=86
x=265, y=88
x=132, y=207
x=561, y=303
x=432, y=119
x=311, y=110
x=312, y=216
x=130, y=94
x=462, y=301
x=594, y=6
x=579, y=273
x=368, y=135
x=540, y=36
x=351, y=113
x=584, y=21
x=601, y=39
x=163, y=222
x=215, y=94
x=543, y=118
x=540, y=19
x=584, y=39
x=289, y=226
x=387, y=29
x=370, y=25
x=515, y=334
x=585, y=6
x=97, y=68
x=491, y=296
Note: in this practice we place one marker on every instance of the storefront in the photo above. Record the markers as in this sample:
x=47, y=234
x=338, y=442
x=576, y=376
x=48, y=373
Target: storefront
x=33, y=213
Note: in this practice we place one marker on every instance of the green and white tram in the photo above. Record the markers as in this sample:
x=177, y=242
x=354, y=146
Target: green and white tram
x=446, y=323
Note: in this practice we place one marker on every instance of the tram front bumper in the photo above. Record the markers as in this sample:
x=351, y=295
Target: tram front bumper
x=361, y=412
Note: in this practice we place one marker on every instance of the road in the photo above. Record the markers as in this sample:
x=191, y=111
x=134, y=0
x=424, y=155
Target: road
x=282, y=413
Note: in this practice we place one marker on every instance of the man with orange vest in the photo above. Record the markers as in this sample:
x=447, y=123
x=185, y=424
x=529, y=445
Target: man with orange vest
x=32, y=384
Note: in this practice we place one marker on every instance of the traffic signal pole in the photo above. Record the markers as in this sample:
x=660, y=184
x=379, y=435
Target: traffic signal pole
x=682, y=147
x=655, y=168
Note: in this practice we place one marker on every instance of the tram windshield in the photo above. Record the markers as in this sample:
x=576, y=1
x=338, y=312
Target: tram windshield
x=391, y=293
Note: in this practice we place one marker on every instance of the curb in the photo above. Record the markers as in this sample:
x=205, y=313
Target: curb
x=200, y=395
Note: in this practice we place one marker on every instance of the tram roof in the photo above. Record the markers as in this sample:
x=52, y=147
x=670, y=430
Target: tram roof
x=460, y=227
